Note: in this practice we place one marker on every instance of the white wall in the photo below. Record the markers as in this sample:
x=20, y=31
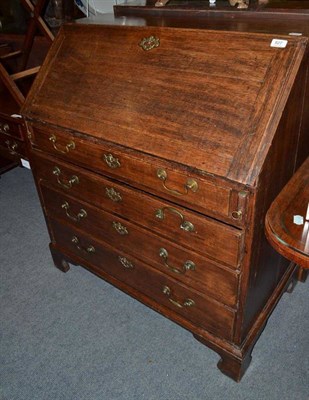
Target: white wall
x=100, y=6
x=104, y=6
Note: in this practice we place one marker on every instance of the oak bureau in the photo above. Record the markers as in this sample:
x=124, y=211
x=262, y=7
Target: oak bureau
x=156, y=152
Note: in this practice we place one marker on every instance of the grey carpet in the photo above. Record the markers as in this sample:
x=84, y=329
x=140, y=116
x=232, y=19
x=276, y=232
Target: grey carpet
x=73, y=336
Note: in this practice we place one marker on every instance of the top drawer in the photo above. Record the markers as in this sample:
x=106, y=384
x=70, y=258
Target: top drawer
x=158, y=176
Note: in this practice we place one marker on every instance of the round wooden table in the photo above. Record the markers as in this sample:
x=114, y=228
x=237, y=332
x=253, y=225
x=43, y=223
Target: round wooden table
x=287, y=220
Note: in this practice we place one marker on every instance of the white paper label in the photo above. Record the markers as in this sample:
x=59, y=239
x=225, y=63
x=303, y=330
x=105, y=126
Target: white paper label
x=298, y=220
x=25, y=163
x=295, y=34
x=279, y=43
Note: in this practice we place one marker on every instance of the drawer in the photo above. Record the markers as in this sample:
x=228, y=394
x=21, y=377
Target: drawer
x=190, y=229
x=11, y=126
x=182, y=264
x=163, y=290
x=148, y=173
x=231, y=239
x=12, y=147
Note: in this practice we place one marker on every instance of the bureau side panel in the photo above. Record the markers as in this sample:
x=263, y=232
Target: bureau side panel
x=303, y=143
x=264, y=269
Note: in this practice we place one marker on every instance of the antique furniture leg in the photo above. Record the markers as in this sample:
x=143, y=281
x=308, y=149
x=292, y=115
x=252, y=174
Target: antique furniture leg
x=291, y=286
x=59, y=259
x=234, y=367
x=302, y=274
x=233, y=363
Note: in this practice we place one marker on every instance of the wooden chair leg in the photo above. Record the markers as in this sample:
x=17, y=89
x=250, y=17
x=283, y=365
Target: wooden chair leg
x=302, y=274
x=11, y=86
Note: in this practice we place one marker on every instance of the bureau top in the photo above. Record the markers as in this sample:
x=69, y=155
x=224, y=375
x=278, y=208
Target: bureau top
x=209, y=100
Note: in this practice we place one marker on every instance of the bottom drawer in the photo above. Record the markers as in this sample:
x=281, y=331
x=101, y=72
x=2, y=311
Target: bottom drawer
x=177, y=299
x=169, y=257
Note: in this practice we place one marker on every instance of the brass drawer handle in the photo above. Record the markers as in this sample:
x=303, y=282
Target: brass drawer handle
x=89, y=249
x=122, y=230
x=187, y=266
x=185, y=225
x=186, y=303
x=149, y=43
x=82, y=213
x=12, y=146
x=111, y=161
x=191, y=183
x=4, y=128
x=125, y=262
x=73, y=181
x=66, y=149
x=113, y=195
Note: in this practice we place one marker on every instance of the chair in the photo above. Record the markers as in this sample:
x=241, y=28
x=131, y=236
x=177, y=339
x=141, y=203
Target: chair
x=36, y=22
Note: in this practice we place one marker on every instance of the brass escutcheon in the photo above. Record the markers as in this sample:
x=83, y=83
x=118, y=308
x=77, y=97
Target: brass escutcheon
x=191, y=183
x=187, y=266
x=73, y=181
x=113, y=195
x=67, y=147
x=185, y=225
x=125, y=262
x=237, y=215
x=186, y=303
x=82, y=213
x=111, y=161
x=149, y=43
x=89, y=249
x=122, y=230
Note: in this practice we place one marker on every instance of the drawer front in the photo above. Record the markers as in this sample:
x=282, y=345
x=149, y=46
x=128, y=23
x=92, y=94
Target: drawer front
x=145, y=172
x=184, y=265
x=12, y=127
x=188, y=228
x=165, y=291
x=12, y=147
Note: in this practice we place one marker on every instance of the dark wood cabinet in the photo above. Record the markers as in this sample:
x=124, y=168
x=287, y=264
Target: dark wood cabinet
x=12, y=144
x=157, y=152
